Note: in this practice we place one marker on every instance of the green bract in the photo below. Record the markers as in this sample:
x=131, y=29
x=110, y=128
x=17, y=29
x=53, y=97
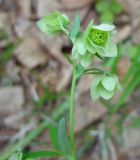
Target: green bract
x=54, y=23
x=98, y=39
x=104, y=86
x=80, y=53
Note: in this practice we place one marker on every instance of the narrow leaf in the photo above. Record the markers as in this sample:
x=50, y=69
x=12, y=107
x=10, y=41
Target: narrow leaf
x=53, y=135
x=75, y=29
x=41, y=154
x=68, y=58
x=63, y=141
x=135, y=123
x=130, y=87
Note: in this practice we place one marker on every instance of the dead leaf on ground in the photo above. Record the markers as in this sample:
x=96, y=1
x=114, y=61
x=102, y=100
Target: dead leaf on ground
x=75, y=4
x=5, y=22
x=11, y=100
x=133, y=8
x=64, y=78
x=131, y=136
x=56, y=76
x=30, y=53
x=123, y=33
x=86, y=110
x=54, y=45
x=43, y=7
x=122, y=67
x=25, y=8
x=22, y=26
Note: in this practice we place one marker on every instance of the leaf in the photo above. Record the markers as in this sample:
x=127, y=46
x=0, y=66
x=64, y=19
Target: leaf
x=75, y=29
x=80, y=70
x=130, y=87
x=39, y=154
x=116, y=7
x=102, y=6
x=16, y=156
x=135, y=123
x=53, y=135
x=107, y=16
x=63, y=141
x=41, y=24
x=86, y=60
x=81, y=49
x=68, y=58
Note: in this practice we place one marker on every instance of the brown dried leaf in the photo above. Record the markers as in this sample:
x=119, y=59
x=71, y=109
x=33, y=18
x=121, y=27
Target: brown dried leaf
x=133, y=8
x=25, y=8
x=54, y=45
x=11, y=100
x=122, y=67
x=123, y=34
x=75, y=4
x=43, y=7
x=131, y=136
x=30, y=54
x=86, y=111
x=65, y=77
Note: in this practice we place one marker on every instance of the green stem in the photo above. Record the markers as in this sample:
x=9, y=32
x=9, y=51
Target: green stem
x=73, y=87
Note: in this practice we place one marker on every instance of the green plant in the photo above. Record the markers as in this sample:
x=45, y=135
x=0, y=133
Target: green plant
x=108, y=9
x=95, y=41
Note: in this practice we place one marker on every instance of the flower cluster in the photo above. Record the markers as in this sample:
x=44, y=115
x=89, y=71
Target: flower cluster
x=94, y=41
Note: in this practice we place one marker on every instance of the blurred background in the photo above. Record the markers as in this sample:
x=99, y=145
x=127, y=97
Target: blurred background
x=35, y=80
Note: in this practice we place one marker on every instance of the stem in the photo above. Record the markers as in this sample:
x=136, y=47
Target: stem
x=73, y=87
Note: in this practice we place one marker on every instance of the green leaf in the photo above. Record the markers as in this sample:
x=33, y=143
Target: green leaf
x=107, y=16
x=39, y=154
x=128, y=90
x=116, y=7
x=135, y=123
x=102, y=6
x=16, y=156
x=81, y=49
x=75, y=29
x=86, y=60
x=63, y=141
x=109, y=83
x=68, y=58
x=80, y=70
x=53, y=135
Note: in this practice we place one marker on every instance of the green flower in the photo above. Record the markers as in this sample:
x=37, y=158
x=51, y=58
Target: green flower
x=54, y=23
x=80, y=53
x=104, y=86
x=98, y=39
